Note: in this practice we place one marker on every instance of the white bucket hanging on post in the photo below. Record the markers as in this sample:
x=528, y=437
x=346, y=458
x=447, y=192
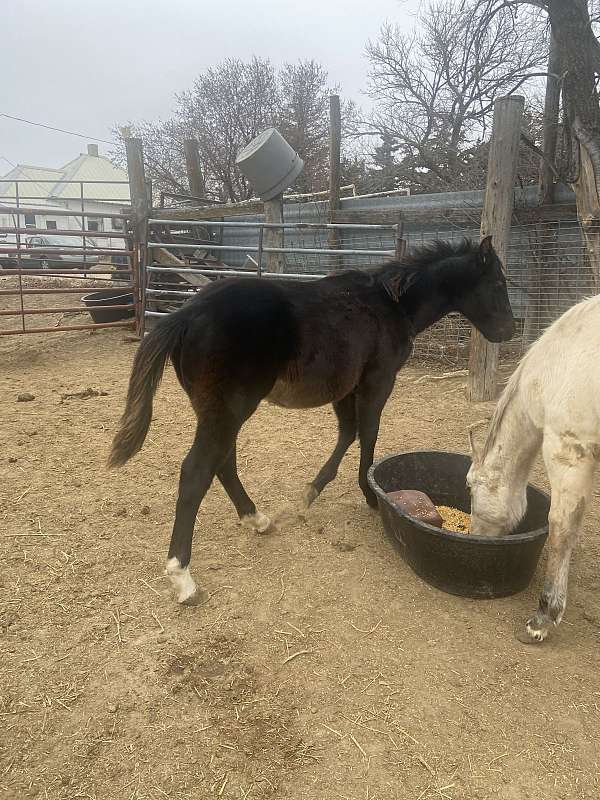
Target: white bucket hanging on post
x=270, y=164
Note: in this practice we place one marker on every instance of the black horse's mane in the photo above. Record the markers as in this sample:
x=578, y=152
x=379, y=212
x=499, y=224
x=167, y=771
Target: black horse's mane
x=421, y=257
x=437, y=251
x=410, y=267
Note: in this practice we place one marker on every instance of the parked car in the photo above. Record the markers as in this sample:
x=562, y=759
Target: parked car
x=60, y=260
x=7, y=260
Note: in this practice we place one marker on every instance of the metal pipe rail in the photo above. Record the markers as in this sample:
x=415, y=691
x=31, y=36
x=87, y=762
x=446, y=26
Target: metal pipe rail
x=69, y=310
x=236, y=273
x=60, y=212
x=70, y=251
x=91, y=326
x=238, y=248
x=112, y=200
x=293, y=225
x=63, y=273
x=57, y=180
x=66, y=231
x=173, y=292
x=61, y=290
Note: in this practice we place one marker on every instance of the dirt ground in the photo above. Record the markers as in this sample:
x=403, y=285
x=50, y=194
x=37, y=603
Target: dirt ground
x=319, y=665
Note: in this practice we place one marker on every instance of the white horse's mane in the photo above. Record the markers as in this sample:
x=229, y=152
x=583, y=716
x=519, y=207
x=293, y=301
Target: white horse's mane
x=510, y=392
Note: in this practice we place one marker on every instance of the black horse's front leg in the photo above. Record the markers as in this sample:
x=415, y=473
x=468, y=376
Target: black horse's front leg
x=345, y=411
x=372, y=397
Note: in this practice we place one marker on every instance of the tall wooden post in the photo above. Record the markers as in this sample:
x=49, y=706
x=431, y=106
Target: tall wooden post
x=495, y=220
x=399, y=240
x=274, y=236
x=193, y=169
x=335, y=144
x=140, y=205
x=196, y=183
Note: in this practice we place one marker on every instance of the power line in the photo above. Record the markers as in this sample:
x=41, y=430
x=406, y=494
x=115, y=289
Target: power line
x=58, y=130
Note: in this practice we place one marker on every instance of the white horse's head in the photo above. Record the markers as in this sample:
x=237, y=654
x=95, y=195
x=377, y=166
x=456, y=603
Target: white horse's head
x=496, y=507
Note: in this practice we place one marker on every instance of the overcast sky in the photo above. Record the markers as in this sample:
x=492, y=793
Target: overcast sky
x=84, y=66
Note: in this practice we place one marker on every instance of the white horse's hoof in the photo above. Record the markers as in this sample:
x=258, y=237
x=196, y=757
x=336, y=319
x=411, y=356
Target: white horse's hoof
x=536, y=633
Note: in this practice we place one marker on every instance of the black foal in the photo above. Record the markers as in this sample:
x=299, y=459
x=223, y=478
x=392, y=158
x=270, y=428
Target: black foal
x=338, y=340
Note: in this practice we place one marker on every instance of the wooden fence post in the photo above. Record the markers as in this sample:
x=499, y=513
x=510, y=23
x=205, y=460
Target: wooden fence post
x=400, y=241
x=140, y=205
x=335, y=143
x=274, y=236
x=495, y=220
x=193, y=169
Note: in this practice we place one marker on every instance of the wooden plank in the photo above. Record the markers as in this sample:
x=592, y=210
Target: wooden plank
x=166, y=259
x=495, y=220
x=250, y=207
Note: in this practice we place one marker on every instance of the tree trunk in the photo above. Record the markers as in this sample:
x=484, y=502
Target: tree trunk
x=588, y=210
x=570, y=22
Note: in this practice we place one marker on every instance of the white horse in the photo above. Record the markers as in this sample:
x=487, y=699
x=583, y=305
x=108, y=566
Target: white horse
x=552, y=400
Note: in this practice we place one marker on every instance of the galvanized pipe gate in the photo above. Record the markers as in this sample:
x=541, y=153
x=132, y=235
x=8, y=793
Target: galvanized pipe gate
x=33, y=248
x=152, y=267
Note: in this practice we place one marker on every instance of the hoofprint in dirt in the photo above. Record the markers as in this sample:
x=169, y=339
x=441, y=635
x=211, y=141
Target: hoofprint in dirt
x=319, y=666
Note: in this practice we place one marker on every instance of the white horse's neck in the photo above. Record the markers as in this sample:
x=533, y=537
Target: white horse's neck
x=512, y=446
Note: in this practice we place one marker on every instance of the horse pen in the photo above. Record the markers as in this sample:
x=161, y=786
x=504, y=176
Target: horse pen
x=316, y=665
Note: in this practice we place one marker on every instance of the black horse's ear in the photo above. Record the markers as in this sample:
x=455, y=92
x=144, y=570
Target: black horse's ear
x=486, y=250
x=398, y=283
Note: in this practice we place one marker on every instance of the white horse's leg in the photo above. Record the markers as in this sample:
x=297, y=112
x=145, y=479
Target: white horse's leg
x=570, y=467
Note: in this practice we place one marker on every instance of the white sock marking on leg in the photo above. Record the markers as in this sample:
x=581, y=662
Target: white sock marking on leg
x=258, y=522
x=181, y=580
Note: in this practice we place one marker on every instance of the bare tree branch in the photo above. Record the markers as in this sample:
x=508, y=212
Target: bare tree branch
x=435, y=89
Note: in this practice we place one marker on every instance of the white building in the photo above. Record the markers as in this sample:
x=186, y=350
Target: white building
x=73, y=187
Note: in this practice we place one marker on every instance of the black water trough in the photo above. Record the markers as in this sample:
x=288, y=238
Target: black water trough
x=98, y=304
x=465, y=565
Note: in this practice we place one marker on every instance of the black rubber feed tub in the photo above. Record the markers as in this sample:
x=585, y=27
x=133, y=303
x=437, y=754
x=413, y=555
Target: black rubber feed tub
x=469, y=566
x=97, y=303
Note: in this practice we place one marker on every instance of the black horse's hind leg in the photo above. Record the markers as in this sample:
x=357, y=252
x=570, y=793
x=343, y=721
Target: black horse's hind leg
x=345, y=411
x=244, y=505
x=214, y=440
x=372, y=398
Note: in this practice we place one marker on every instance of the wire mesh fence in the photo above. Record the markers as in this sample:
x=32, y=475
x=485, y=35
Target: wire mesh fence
x=548, y=270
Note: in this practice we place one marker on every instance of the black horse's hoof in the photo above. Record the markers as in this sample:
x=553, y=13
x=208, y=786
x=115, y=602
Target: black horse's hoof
x=371, y=500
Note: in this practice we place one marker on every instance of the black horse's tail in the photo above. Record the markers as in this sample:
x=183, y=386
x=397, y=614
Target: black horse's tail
x=148, y=367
